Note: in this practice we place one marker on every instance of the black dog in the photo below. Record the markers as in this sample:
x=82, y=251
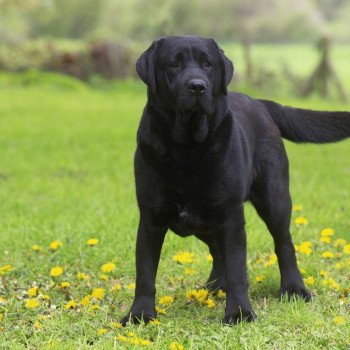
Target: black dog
x=201, y=154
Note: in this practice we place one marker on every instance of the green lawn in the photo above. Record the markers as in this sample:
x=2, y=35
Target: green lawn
x=66, y=173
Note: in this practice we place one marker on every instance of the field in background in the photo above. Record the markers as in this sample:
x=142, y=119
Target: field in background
x=66, y=174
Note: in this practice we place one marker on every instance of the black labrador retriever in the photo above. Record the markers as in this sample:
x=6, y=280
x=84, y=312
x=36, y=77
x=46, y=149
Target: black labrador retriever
x=201, y=153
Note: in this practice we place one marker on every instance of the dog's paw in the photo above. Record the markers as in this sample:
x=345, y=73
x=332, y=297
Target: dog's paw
x=298, y=291
x=137, y=318
x=239, y=316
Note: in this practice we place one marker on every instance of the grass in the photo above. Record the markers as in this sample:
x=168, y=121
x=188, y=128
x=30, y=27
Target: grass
x=66, y=174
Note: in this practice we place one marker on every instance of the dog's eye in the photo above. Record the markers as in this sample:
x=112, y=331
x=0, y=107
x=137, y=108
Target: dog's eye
x=175, y=64
x=207, y=64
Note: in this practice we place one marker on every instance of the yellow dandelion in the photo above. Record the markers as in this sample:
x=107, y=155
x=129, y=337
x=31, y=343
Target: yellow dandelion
x=302, y=271
x=109, y=267
x=176, y=346
x=37, y=325
x=33, y=292
x=3, y=301
x=210, y=303
x=296, y=247
x=131, y=286
x=160, y=311
x=183, y=257
x=301, y=220
x=121, y=337
x=309, y=281
x=56, y=271
x=325, y=239
x=45, y=297
x=272, y=260
x=339, y=320
x=297, y=207
x=92, y=241
x=93, y=308
x=209, y=258
x=338, y=266
x=116, y=287
x=98, y=293
x=166, y=300
x=71, y=305
x=305, y=248
x=327, y=232
x=5, y=269
x=346, y=249
x=190, y=272
x=221, y=294
x=339, y=242
x=36, y=247
x=102, y=331
x=145, y=342
x=323, y=273
x=55, y=244
x=328, y=255
x=154, y=322
x=85, y=301
x=65, y=284
x=116, y=325
x=259, y=278
x=32, y=304
x=103, y=277
x=81, y=276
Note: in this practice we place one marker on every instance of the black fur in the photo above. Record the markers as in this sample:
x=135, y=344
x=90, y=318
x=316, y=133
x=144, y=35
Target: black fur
x=201, y=153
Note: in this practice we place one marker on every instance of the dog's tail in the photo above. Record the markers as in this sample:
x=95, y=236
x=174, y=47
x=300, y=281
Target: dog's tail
x=303, y=125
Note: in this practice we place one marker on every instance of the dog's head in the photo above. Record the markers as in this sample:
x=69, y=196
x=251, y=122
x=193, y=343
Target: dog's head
x=185, y=74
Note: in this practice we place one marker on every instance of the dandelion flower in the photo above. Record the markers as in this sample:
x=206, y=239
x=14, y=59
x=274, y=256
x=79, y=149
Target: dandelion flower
x=210, y=303
x=209, y=258
x=36, y=247
x=166, y=300
x=5, y=269
x=309, y=281
x=85, y=300
x=154, y=322
x=92, y=241
x=190, y=272
x=116, y=287
x=176, y=346
x=116, y=325
x=70, y=305
x=259, y=278
x=305, y=248
x=3, y=301
x=103, y=277
x=145, y=342
x=160, y=311
x=102, y=331
x=33, y=292
x=81, y=276
x=346, y=249
x=328, y=255
x=272, y=260
x=301, y=220
x=131, y=286
x=65, y=284
x=183, y=257
x=109, y=267
x=32, y=304
x=55, y=244
x=98, y=293
x=221, y=294
x=323, y=273
x=325, y=239
x=339, y=242
x=56, y=271
x=38, y=325
x=297, y=207
x=339, y=320
x=327, y=232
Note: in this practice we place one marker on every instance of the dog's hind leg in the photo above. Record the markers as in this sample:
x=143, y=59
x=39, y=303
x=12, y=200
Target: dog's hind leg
x=216, y=280
x=271, y=199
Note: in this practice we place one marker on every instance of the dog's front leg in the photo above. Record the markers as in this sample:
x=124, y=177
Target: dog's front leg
x=232, y=242
x=150, y=237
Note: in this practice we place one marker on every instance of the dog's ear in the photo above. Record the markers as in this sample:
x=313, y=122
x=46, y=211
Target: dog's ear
x=226, y=68
x=145, y=67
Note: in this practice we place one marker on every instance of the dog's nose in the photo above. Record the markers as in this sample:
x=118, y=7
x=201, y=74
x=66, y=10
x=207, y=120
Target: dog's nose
x=197, y=86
